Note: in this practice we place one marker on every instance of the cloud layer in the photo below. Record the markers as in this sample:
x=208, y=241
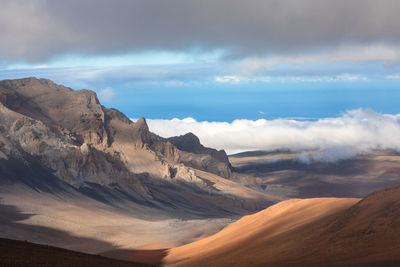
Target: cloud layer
x=328, y=139
x=40, y=29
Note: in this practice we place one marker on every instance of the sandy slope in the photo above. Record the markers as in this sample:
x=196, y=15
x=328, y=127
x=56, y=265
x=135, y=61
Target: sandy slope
x=309, y=232
x=282, y=217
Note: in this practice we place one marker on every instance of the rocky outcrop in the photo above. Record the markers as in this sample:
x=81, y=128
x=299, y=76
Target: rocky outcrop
x=72, y=136
x=194, y=154
x=78, y=137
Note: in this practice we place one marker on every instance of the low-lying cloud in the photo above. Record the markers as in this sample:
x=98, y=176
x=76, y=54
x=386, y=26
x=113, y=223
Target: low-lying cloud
x=327, y=140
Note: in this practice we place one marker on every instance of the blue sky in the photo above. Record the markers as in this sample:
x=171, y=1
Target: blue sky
x=255, y=59
x=182, y=89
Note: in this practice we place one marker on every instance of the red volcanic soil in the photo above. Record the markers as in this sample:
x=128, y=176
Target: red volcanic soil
x=19, y=253
x=309, y=232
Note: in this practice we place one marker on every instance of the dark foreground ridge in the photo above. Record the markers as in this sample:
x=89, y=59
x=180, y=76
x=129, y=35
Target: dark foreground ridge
x=21, y=253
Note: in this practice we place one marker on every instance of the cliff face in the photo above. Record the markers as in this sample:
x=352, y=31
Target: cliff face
x=70, y=134
x=46, y=111
x=64, y=130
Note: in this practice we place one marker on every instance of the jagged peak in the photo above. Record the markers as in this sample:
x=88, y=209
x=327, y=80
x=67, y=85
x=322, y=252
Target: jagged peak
x=192, y=136
x=187, y=137
x=142, y=124
x=188, y=142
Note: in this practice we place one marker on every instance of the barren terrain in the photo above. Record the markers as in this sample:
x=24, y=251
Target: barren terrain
x=281, y=173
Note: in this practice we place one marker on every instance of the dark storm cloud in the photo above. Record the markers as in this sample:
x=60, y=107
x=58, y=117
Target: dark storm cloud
x=38, y=30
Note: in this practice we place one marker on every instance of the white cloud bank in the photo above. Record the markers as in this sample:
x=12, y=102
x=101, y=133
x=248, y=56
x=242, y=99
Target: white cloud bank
x=328, y=139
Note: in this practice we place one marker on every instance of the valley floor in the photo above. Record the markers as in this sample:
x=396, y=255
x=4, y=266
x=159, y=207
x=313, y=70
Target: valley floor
x=82, y=224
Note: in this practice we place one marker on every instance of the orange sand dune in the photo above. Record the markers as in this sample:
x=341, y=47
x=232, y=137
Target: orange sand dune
x=309, y=232
x=282, y=217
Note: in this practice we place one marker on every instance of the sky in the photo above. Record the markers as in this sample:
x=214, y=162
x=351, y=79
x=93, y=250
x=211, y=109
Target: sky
x=212, y=60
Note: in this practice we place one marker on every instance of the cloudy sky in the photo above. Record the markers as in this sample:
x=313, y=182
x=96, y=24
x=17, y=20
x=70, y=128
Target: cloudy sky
x=212, y=60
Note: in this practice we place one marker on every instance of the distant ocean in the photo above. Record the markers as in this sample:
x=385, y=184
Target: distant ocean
x=301, y=101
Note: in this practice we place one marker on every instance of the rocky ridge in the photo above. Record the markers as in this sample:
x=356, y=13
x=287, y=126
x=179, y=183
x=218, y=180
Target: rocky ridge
x=73, y=137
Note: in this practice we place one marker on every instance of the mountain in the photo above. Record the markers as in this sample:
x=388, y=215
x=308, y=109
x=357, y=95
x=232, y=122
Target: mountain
x=78, y=175
x=70, y=135
x=306, y=232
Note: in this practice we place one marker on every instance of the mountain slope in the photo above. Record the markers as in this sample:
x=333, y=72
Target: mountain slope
x=310, y=232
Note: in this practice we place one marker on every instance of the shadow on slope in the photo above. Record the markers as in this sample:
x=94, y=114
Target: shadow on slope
x=177, y=199
x=12, y=227
x=32, y=174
